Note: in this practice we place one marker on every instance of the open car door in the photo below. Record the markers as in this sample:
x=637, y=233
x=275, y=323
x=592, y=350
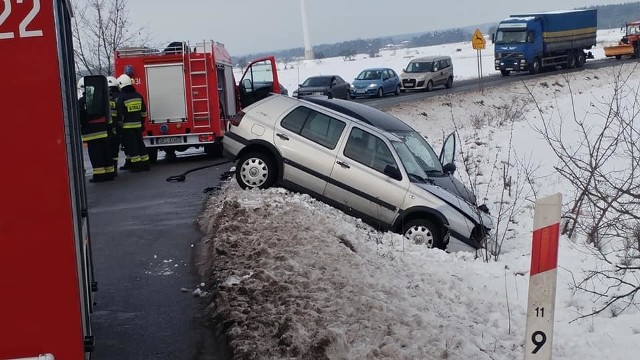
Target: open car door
x=260, y=79
x=448, y=152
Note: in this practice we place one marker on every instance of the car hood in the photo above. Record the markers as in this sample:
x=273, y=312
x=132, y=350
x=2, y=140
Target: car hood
x=455, y=186
x=312, y=89
x=458, y=203
x=364, y=83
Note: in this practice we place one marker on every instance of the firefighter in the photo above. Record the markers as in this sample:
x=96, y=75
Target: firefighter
x=115, y=138
x=95, y=133
x=131, y=111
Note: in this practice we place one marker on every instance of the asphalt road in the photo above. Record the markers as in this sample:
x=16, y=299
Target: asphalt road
x=143, y=229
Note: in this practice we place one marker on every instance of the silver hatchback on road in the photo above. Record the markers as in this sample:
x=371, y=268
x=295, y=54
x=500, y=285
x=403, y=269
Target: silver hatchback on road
x=360, y=160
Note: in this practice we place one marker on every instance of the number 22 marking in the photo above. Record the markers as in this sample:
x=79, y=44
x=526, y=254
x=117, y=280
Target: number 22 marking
x=22, y=28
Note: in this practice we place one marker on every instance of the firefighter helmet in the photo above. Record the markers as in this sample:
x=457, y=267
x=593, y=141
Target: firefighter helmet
x=112, y=81
x=124, y=80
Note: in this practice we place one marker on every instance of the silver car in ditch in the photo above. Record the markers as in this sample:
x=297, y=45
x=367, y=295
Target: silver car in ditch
x=360, y=160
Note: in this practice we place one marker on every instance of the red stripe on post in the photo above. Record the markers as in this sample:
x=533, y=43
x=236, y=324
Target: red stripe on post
x=544, y=249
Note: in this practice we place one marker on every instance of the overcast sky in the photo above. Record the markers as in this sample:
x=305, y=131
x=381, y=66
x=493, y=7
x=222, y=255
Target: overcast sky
x=251, y=26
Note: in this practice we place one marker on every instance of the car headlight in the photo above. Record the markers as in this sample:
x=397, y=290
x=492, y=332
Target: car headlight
x=373, y=85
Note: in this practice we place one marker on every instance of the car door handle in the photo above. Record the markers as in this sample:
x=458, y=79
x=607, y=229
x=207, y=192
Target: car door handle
x=343, y=164
x=283, y=136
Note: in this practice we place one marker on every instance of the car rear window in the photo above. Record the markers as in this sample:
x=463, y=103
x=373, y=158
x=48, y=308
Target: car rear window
x=315, y=126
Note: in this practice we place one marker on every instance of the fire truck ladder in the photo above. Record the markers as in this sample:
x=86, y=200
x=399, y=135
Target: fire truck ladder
x=199, y=86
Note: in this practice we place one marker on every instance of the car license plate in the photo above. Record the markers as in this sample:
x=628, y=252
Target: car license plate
x=360, y=91
x=169, y=140
x=509, y=68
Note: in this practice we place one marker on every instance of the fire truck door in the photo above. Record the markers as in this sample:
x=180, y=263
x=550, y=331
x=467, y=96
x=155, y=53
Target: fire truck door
x=259, y=81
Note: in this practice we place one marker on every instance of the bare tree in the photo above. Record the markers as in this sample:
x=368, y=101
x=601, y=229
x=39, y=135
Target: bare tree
x=603, y=166
x=515, y=174
x=99, y=27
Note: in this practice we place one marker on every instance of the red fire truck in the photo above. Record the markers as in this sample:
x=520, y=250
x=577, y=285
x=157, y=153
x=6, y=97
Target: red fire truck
x=46, y=277
x=190, y=92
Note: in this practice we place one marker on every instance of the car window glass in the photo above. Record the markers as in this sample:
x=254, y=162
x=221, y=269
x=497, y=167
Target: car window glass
x=295, y=119
x=368, y=150
x=322, y=129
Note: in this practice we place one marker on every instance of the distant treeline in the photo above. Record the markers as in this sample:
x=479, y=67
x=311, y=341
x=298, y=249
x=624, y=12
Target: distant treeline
x=614, y=16
x=609, y=16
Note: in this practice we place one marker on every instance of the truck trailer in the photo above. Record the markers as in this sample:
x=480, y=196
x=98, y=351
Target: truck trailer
x=530, y=42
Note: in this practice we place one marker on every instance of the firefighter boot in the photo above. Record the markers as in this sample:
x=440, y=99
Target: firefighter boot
x=127, y=165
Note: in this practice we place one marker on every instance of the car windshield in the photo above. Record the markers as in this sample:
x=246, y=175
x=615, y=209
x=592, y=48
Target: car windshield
x=414, y=151
x=420, y=66
x=317, y=81
x=370, y=75
x=511, y=37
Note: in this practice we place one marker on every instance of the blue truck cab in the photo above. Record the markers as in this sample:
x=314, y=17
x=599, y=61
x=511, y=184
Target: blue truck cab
x=530, y=42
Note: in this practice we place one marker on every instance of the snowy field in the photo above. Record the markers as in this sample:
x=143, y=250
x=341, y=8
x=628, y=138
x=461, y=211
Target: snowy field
x=295, y=278
x=464, y=57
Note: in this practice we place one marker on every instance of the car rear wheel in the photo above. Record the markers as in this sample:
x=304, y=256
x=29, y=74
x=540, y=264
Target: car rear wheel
x=397, y=90
x=380, y=93
x=256, y=170
x=422, y=231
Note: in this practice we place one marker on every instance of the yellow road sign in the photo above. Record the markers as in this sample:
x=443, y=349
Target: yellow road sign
x=478, y=40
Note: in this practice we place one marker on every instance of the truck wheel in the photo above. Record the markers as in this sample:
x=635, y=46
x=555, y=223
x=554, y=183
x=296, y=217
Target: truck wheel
x=505, y=72
x=422, y=231
x=256, y=170
x=571, y=60
x=535, y=66
x=153, y=155
x=636, y=52
x=581, y=58
x=213, y=150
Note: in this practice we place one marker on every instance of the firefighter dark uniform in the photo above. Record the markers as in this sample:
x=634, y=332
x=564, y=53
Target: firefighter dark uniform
x=95, y=133
x=132, y=111
x=115, y=138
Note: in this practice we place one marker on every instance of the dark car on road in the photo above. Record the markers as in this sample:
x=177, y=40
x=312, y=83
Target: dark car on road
x=332, y=86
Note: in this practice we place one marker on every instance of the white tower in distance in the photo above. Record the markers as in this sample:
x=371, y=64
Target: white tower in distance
x=308, y=51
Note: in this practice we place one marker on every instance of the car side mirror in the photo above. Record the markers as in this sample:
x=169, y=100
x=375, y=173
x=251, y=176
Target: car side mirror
x=392, y=172
x=299, y=85
x=449, y=168
x=493, y=38
x=435, y=69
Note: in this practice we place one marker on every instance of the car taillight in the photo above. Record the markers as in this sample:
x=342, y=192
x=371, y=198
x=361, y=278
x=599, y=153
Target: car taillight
x=235, y=121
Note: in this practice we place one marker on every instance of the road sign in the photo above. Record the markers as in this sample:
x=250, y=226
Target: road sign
x=543, y=276
x=478, y=40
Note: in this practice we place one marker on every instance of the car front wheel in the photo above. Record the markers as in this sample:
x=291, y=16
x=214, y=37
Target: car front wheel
x=380, y=93
x=256, y=170
x=422, y=231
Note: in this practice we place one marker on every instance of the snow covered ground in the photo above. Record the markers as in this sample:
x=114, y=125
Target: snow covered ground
x=295, y=278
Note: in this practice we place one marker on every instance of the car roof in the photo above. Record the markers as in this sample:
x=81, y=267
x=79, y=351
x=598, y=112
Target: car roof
x=321, y=76
x=364, y=113
x=431, y=58
x=378, y=68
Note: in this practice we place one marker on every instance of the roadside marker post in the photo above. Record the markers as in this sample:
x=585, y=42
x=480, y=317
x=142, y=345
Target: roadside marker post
x=543, y=278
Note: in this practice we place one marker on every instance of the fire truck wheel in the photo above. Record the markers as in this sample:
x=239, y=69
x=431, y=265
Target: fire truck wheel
x=256, y=170
x=213, y=150
x=153, y=154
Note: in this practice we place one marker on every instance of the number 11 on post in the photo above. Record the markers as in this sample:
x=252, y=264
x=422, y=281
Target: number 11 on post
x=543, y=277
